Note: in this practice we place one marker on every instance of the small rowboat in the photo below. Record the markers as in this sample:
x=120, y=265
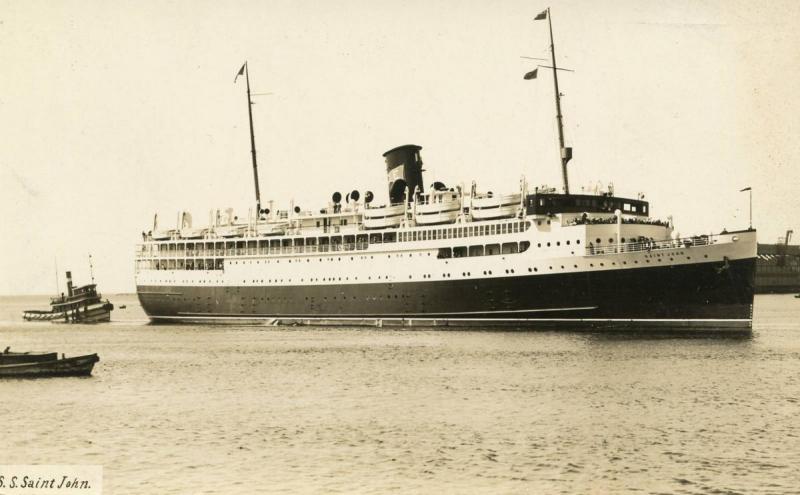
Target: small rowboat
x=74, y=366
x=8, y=357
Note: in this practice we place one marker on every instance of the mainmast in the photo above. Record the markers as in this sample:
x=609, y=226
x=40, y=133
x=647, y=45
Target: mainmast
x=252, y=136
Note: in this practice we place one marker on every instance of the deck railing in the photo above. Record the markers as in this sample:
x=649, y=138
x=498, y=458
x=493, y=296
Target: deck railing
x=651, y=245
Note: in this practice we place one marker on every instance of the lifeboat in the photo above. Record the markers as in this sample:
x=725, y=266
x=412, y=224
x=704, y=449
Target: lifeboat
x=279, y=228
x=437, y=208
x=230, y=230
x=489, y=207
x=163, y=235
x=192, y=233
x=384, y=216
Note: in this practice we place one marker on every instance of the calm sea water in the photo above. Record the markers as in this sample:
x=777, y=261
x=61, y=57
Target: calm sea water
x=204, y=409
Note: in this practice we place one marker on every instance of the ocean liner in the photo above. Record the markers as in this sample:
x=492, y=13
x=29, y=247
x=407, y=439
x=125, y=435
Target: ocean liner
x=439, y=255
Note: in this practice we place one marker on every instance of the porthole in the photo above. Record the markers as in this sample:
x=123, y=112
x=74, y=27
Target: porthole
x=598, y=241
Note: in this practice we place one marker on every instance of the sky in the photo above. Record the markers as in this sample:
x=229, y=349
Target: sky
x=112, y=111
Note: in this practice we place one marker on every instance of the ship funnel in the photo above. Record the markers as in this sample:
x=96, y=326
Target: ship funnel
x=404, y=170
x=69, y=284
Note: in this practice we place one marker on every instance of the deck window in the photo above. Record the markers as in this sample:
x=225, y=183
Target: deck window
x=390, y=237
x=444, y=253
x=459, y=252
x=361, y=241
x=510, y=247
x=476, y=250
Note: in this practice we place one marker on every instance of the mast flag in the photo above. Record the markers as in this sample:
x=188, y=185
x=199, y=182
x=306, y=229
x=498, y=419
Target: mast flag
x=542, y=15
x=532, y=74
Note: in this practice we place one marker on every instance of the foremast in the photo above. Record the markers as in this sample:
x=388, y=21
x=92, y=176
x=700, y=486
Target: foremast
x=244, y=71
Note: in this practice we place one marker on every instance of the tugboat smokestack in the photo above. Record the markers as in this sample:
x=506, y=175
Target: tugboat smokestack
x=69, y=283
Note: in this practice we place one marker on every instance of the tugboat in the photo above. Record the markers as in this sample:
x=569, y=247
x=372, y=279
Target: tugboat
x=79, y=305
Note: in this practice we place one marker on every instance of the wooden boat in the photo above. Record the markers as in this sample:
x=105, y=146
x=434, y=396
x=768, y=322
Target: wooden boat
x=74, y=366
x=9, y=357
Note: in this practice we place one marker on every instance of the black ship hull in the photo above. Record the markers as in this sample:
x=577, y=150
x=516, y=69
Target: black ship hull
x=707, y=295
